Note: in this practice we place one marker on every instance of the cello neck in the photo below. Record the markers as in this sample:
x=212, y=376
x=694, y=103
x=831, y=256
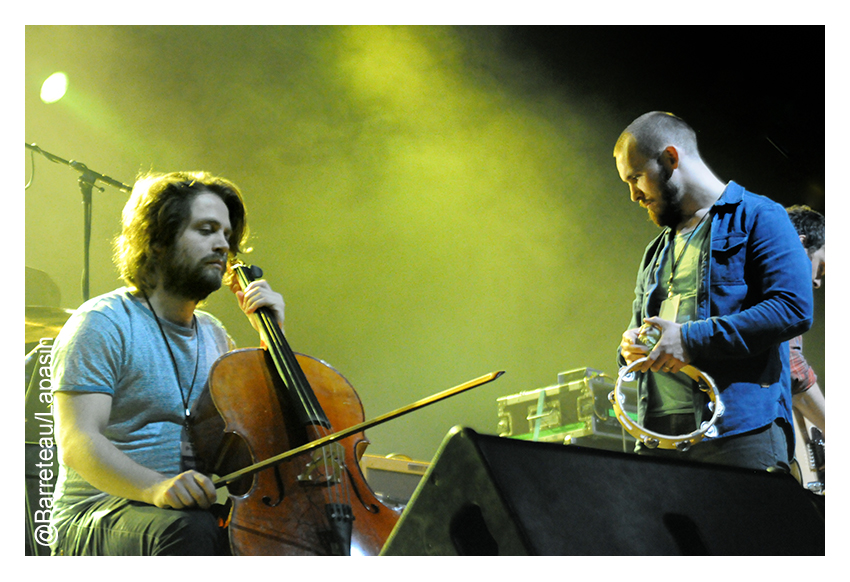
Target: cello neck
x=307, y=407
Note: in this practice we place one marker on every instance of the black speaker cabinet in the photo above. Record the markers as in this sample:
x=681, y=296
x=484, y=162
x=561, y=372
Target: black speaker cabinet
x=488, y=495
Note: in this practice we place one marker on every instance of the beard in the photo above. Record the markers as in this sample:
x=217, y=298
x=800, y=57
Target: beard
x=670, y=212
x=191, y=281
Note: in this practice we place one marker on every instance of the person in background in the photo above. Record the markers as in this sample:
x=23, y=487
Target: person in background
x=808, y=396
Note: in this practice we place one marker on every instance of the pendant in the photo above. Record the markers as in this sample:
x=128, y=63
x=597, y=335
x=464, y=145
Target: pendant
x=188, y=460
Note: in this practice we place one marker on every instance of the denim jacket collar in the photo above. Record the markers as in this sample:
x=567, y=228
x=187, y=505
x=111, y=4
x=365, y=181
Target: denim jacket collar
x=732, y=194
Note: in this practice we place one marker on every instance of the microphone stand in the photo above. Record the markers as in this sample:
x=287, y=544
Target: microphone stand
x=87, y=181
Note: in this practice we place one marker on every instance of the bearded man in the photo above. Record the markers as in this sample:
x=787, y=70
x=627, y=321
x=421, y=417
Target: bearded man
x=128, y=366
x=726, y=284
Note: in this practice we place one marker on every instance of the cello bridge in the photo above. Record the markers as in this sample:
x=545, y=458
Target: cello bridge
x=325, y=466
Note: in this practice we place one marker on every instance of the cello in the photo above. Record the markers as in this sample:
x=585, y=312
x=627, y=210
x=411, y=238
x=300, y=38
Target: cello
x=286, y=430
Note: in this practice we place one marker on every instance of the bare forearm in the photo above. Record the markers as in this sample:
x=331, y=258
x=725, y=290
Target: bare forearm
x=813, y=406
x=107, y=468
x=80, y=422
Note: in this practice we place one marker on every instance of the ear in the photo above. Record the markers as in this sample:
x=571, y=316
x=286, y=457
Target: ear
x=670, y=157
x=803, y=239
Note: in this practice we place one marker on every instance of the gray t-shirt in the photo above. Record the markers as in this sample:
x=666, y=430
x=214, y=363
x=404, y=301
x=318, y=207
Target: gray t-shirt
x=673, y=394
x=112, y=345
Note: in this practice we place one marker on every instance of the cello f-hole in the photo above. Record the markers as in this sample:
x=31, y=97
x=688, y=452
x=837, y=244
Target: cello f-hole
x=370, y=507
x=280, y=494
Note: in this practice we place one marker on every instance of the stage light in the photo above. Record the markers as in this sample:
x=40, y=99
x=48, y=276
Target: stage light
x=53, y=89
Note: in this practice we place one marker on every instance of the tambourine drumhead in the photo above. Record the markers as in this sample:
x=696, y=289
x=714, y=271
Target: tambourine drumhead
x=661, y=441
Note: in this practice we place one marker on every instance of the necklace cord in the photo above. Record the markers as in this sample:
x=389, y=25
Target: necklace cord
x=183, y=397
x=682, y=253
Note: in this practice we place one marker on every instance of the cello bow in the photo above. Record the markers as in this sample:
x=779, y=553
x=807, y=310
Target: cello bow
x=337, y=436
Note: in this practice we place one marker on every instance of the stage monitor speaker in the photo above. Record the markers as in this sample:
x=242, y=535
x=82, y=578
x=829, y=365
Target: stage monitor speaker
x=488, y=495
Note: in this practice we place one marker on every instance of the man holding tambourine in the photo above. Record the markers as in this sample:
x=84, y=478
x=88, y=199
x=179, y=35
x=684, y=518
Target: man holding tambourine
x=718, y=294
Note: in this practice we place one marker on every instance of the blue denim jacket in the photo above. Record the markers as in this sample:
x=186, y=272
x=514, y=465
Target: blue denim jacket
x=755, y=293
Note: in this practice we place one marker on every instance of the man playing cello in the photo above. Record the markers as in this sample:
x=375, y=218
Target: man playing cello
x=128, y=366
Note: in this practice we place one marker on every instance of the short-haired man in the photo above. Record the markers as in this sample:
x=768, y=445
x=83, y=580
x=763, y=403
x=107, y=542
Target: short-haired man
x=726, y=283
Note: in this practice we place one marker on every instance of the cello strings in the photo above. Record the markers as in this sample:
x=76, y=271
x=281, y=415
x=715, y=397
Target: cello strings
x=293, y=376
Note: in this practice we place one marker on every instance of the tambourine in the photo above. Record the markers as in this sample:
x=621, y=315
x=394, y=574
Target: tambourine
x=654, y=440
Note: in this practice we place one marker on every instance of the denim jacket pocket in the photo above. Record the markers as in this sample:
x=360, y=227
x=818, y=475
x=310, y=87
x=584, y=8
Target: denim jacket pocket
x=728, y=256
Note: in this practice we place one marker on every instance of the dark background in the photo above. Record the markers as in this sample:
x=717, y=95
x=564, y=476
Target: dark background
x=755, y=95
x=433, y=202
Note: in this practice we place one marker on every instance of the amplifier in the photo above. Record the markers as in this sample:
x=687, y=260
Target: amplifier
x=393, y=478
x=576, y=410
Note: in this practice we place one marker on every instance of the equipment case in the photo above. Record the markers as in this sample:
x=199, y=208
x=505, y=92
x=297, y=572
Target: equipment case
x=576, y=411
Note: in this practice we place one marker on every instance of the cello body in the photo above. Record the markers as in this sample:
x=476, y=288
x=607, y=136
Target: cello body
x=245, y=415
